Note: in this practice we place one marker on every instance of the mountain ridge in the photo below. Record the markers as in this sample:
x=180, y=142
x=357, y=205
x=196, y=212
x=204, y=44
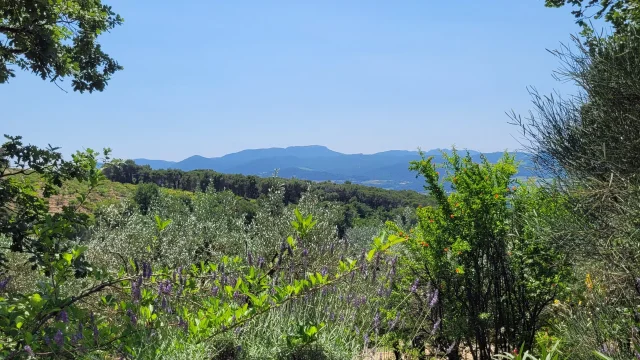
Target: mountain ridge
x=387, y=169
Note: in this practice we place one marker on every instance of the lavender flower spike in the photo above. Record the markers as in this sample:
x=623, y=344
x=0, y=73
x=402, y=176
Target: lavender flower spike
x=434, y=299
x=414, y=286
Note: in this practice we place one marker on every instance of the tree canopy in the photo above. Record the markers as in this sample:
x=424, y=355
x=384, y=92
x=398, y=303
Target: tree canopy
x=622, y=14
x=57, y=39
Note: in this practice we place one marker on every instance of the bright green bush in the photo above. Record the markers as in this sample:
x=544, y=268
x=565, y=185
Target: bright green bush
x=478, y=269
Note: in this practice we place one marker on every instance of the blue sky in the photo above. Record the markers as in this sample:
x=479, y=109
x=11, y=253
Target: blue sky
x=214, y=77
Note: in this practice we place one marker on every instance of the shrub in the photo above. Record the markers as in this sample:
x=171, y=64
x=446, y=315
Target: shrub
x=145, y=195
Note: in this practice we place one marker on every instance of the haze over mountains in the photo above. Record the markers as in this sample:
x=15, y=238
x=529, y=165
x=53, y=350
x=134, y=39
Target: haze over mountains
x=388, y=169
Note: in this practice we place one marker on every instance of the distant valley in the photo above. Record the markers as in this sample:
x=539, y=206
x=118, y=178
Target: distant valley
x=388, y=169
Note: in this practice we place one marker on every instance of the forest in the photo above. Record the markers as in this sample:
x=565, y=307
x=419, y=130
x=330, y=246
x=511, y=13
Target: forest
x=204, y=265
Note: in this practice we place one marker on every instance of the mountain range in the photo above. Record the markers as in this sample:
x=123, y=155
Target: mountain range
x=388, y=169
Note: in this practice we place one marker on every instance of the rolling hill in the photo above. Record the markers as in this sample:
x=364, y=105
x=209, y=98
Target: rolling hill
x=388, y=169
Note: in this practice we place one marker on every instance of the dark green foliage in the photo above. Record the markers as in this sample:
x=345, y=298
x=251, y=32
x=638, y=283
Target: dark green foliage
x=358, y=202
x=622, y=14
x=145, y=195
x=56, y=40
x=492, y=271
x=24, y=203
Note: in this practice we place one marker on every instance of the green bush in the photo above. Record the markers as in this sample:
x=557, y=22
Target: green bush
x=145, y=195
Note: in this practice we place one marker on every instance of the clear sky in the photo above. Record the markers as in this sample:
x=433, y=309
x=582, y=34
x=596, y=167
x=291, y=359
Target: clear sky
x=213, y=77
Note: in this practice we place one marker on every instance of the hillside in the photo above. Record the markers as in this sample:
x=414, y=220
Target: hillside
x=388, y=169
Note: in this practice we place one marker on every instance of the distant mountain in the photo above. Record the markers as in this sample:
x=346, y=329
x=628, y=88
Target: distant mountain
x=387, y=169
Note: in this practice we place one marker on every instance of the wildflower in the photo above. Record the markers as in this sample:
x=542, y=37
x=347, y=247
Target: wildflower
x=457, y=204
x=366, y=341
x=589, y=283
x=58, y=338
x=393, y=322
x=324, y=271
x=414, y=286
x=430, y=220
x=556, y=302
x=249, y=258
x=94, y=328
x=132, y=317
x=376, y=322
x=4, y=282
x=47, y=340
x=135, y=289
x=305, y=252
x=457, y=270
x=183, y=324
x=146, y=270
x=496, y=196
x=515, y=351
x=452, y=216
x=260, y=262
x=606, y=349
x=436, y=326
x=214, y=290
x=29, y=351
x=513, y=188
x=62, y=316
x=434, y=299
x=450, y=348
x=446, y=249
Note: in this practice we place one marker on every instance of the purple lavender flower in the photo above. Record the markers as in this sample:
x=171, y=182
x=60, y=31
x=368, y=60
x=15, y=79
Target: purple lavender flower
x=260, y=262
x=305, y=252
x=4, y=282
x=249, y=258
x=376, y=322
x=392, y=323
x=58, y=338
x=29, y=351
x=332, y=316
x=289, y=250
x=324, y=271
x=237, y=297
x=436, y=326
x=94, y=327
x=214, y=290
x=450, y=348
x=62, y=316
x=47, y=340
x=414, y=286
x=146, y=270
x=606, y=349
x=434, y=299
x=132, y=317
x=183, y=324
x=366, y=341
x=182, y=279
x=136, y=289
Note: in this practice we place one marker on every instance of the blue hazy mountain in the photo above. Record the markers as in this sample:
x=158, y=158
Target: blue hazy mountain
x=387, y=169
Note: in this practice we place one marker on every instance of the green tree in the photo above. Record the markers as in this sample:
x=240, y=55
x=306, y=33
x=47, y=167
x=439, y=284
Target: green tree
x=622, y=14
x=477, y=262
x=57, y=39
x=146, y=195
